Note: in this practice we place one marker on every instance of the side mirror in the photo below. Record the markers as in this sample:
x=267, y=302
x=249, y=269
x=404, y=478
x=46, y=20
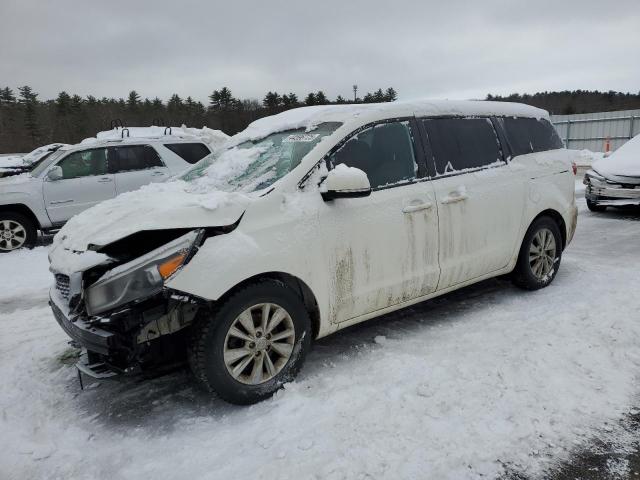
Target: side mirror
x=345, y=182
x=55, y=173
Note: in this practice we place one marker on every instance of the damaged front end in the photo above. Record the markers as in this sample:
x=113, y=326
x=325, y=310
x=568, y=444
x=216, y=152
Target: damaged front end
x=116, y=306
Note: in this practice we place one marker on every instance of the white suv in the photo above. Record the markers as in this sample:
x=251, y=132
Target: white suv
x=310, y=221
x=76, y=177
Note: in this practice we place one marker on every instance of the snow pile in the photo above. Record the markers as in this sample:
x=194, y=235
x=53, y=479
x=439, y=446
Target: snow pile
x=309, y=117
x=586, y=158
x=26, y=275
x=9, y=161
x=214, y=138
x=625, y=161
x=458, y=387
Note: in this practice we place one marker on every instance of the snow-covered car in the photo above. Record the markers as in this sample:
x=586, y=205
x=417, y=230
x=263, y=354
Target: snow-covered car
x=614, y=181
x=308, y=222
x=15, y=165
x=76, y=177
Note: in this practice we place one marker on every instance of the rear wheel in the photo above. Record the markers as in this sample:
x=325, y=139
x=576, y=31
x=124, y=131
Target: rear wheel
x=16, y=231
x=539, y=257
x=252, y=344
x=594, y=207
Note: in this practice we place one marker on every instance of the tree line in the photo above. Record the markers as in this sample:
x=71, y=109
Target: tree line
x=575, y=101
x=27, y=122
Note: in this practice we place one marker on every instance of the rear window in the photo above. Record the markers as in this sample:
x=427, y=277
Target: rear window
x=189, y=152
x=530, y=135
x=135, y=157
x=462, y=143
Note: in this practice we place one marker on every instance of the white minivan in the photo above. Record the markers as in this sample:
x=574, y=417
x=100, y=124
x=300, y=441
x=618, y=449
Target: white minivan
x=308, y=222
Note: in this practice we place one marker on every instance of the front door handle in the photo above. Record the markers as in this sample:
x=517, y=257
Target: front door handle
x=60, y=202
x=416, y=207
x=157, y=174
x=105, y=180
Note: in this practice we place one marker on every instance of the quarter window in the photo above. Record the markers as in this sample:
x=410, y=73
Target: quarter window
x=462, y=143
x=189, y=152
x=84, y=164
x=530, y=135
x=384, y=152
x=135, y=157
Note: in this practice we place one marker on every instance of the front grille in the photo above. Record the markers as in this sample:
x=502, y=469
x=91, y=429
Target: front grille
x=62, y=285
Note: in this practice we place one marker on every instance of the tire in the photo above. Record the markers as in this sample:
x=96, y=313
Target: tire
x=16, y=232
x=594, y=207
x=534, y=273
x=217, y=353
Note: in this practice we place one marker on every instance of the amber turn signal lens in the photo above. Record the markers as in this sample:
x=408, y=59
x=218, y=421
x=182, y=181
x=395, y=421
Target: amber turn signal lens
x=170, y=266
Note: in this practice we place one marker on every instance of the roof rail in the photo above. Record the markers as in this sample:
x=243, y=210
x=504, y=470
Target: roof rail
x=165, y=130
x=115, y=123
x=122, y=134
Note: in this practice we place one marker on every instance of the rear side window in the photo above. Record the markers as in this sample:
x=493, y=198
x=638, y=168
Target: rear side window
x=384, y=152
x=134, y=157
x=84, y=164
x=462, y=143
x=189, y=152
x=530, y=135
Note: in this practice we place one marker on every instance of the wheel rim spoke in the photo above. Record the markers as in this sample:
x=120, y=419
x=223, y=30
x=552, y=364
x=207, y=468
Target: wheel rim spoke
x=254, y=354
x=233, y=355
x=246, y=320
x=542, y=253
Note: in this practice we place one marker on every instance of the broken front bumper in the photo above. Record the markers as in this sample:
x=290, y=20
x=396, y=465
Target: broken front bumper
x=612, y=195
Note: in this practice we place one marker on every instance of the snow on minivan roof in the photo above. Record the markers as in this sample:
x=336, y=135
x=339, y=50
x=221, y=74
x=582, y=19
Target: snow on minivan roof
x=308, y=117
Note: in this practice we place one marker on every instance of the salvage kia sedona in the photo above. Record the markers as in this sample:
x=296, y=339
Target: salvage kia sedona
x=308, y=222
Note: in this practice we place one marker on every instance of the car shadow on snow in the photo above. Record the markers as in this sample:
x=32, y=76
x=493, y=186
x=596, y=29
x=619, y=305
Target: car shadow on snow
x=158, y=404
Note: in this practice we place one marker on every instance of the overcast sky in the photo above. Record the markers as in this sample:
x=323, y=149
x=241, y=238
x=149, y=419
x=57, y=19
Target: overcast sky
x=436, y=49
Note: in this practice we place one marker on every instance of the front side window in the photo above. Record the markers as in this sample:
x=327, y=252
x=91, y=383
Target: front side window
x=134, y=157
x=84, y=164
x=384, y=152
x=255, y=165
x=530, y=135
x=460, y=144
x=189, y=152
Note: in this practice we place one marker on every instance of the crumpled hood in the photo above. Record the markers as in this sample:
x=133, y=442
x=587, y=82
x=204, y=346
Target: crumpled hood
x=624, y=162
x=157, y=206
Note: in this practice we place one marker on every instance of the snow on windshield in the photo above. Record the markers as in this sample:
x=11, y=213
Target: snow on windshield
x=255, y=165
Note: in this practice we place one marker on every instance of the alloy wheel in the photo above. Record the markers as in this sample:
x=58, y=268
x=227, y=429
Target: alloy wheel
x=542, y=253
x=13, y=235
x=259, y=343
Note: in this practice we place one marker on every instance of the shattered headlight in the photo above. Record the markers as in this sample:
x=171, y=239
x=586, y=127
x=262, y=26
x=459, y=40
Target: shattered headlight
x=140, y=278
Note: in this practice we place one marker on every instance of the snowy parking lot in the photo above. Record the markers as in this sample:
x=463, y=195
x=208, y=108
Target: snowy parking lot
x=489, y=381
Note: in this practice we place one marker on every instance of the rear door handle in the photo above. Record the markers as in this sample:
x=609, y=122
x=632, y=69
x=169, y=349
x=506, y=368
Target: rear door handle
x=105, y=180
x=454, y=197
x=158, y=174
x=60, y=202
x=416, y=207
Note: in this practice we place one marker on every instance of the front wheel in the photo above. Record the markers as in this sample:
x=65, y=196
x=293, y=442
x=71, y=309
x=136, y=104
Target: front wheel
x=254, y=342
x=539, y=257
x=16, y=231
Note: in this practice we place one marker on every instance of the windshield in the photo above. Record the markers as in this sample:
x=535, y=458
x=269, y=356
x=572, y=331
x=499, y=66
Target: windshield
x=42, y=165
x=256, y=165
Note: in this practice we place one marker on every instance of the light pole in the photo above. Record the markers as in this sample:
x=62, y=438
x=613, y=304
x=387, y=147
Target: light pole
x=355, y=93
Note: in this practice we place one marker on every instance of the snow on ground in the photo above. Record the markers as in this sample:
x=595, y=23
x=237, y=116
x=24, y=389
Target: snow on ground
x=457, y=387
x=25, y=277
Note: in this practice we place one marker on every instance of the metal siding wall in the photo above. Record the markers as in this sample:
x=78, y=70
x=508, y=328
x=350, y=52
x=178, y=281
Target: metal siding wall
x=589, y=130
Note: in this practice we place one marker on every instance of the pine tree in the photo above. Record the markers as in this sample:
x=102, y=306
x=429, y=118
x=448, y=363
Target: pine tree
x=378, y=96
x=222, y=100
x=311, y=99
x=133, y=102
x=7, y=96
x=340, y=100
x=271, y=100
x=321, y=98
x=28, y=100
x=390, y=95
